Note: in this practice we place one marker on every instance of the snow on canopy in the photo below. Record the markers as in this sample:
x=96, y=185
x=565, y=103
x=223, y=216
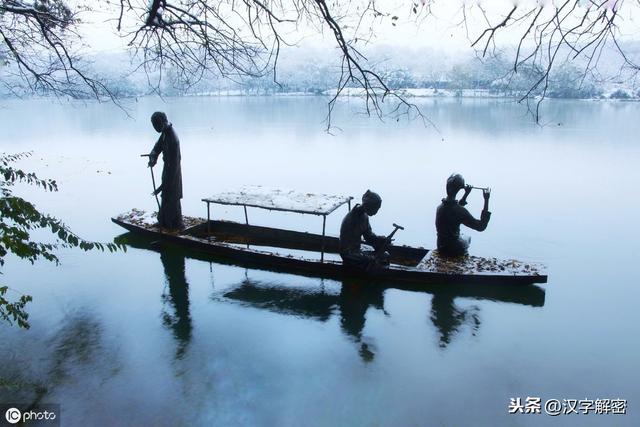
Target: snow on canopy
x=280, y=199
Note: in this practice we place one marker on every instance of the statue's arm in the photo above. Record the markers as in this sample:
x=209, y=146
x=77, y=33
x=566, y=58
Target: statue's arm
x=371, y=238
x=155, y=152
x=463, y=200
x=473, y=223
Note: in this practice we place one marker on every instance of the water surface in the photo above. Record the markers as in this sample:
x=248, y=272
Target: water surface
x=160, y=336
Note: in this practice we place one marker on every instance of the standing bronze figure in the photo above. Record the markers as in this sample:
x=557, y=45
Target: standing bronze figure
x=170, y=213
x=451, y=214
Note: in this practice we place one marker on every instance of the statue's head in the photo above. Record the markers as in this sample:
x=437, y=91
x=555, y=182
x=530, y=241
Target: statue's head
x=371, y=202
x=455, y=183
x=159, y=121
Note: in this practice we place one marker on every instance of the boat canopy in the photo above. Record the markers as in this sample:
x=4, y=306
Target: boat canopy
x=277, y=199
x=280, y=200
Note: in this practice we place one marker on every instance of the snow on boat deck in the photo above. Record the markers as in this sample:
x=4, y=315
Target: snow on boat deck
x=433, y=263
x=471, y=264
x=280, y=199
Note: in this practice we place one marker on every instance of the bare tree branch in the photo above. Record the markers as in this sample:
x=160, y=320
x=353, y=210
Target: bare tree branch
x=39, y=38
x=577, y=30
x=238, y=39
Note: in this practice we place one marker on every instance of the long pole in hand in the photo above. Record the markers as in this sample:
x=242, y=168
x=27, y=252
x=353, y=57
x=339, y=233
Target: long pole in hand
x=153, y=181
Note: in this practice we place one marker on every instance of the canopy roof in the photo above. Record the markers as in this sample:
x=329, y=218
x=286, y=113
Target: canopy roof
x=280, y=200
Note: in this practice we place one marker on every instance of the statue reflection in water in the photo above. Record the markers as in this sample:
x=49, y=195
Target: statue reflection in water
x=175, y=295
x=449, y=319
x=351, y=303
x=356, y=297
x=175, y=312
x=354, y=302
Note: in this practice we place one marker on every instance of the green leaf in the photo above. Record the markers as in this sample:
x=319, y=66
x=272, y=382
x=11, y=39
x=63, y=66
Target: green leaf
x=17, y=217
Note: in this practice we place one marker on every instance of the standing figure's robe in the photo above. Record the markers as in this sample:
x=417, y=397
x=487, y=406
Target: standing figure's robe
x=170, y=214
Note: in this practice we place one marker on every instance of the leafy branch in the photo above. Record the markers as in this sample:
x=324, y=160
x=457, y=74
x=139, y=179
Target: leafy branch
x=18, y=218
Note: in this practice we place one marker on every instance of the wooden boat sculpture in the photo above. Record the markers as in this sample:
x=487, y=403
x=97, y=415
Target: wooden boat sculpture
x=304, y=253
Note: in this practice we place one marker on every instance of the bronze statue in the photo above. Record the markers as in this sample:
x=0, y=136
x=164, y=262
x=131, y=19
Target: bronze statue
x=170, y=213
x=451, y=213
x=355, y=226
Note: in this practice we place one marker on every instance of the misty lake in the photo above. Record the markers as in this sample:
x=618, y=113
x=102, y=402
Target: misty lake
x=156, y=336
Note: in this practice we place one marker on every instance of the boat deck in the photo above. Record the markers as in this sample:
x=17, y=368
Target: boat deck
x=299, y=252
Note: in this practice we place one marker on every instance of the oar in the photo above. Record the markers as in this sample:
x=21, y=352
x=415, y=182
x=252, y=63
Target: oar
x=153, y=181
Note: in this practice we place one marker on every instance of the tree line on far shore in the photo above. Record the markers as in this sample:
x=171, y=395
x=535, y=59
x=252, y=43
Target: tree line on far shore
x=491, y=76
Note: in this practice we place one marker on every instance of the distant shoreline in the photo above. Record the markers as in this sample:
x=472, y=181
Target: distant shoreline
x=409, y=93
x=425, y=93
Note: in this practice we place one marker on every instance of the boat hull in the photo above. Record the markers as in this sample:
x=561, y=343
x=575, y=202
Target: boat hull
x=232, y=241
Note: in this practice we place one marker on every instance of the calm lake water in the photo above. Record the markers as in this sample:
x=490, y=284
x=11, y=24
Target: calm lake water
x=156, y=336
